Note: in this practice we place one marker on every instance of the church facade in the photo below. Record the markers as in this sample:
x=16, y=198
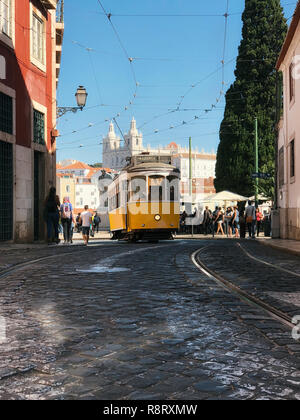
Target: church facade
x=117, y=151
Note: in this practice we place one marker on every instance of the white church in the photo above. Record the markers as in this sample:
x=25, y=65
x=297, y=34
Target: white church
x=116, y=151
x=116, y=154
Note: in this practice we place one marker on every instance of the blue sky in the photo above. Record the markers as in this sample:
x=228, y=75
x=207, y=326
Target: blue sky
x=170, y=55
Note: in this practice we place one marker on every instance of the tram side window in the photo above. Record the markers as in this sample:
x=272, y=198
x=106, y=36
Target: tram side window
x=137, y=189
x=113, y=203
x=156, y=188
x=172, y=188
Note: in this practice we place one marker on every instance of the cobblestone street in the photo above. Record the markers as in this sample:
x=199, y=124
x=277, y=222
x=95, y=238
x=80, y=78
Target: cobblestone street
x=140, y=321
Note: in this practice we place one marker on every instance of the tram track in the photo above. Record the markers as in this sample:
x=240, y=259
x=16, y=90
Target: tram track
x=243, y=295
x=259, y=260
x=24, y=264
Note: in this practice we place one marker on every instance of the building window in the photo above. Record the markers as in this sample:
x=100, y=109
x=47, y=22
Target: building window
x=38, y=127
x=68, y=189
x=292, y=159
x=6, y=114
x=38, y=44
x=5, y=17
x=291, y=82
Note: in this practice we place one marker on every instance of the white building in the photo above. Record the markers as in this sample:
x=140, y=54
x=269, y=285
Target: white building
x=289, y=134
x=116, y=151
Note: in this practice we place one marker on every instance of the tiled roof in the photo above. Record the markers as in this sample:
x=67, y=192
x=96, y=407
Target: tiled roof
x=172, y=145
x=77, y=165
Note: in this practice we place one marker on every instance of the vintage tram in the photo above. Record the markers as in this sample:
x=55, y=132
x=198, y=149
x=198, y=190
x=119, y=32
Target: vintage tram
x=144, y=200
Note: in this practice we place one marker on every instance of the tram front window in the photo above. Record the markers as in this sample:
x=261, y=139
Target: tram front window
x=137, y=189
x=172, y=188
x=156, y=187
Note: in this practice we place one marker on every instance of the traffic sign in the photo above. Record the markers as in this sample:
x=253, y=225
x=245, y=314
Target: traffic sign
x=261, y=175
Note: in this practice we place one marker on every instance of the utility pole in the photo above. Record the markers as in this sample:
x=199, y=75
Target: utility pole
x=190, y=166
x=190, y=179
x=256, y=161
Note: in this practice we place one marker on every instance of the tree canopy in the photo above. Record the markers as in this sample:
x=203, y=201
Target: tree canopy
x=253, y=94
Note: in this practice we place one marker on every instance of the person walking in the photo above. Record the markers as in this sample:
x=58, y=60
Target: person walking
x=66, y=211
x=183, y=216
x=51, y=215
x=78, y=223
x=228, y=221
x=86, y=220
x=214, y=220
x=250, y=215
x=220, y=221
x=96, y=222
x=259, y=219
x=235, y=221
x=206, y=220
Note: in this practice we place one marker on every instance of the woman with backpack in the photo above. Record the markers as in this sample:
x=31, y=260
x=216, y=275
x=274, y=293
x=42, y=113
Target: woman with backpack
x=66, y=211
x=51, y=215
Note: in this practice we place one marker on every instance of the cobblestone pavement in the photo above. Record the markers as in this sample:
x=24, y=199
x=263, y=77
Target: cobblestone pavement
x=120, y=321
x=277, y=283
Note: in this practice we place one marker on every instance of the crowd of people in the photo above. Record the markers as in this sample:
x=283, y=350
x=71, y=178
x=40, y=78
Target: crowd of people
x=61, y=219
x=230, y=221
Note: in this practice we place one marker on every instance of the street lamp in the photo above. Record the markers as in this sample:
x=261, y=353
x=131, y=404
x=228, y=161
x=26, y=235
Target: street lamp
x=81, y=97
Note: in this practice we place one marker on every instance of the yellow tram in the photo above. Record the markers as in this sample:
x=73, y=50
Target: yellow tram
x=144, y=200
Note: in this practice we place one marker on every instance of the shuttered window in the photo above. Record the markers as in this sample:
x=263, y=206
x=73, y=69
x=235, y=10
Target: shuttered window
x=5, y=17
x=38, y=127
x=38, y=44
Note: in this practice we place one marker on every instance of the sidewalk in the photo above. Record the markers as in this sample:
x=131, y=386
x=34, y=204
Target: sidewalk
x=285, y=245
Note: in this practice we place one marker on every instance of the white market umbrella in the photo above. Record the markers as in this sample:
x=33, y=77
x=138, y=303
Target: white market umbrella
x=225, y=196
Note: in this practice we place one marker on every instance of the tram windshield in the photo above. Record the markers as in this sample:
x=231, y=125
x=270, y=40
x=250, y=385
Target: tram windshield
x=156, y=187
x=172, y=188
x=137, y=189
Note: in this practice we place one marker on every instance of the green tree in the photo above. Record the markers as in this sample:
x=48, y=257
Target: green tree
x=253, y=94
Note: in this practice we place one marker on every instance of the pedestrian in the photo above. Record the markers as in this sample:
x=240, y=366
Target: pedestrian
x=235, y=221
x=96, y=222
x=214, y=220
x=242, y=223
x=86, y=220
x=183, y=216
x=228, y=220
x=259, y=219
x=78, y=223
x=220, y=221
x=66, y=211
x=51, y=215
x=250, y=215
x=206, y=220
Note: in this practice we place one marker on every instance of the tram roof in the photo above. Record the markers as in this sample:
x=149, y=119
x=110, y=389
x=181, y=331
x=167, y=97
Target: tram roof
x=151, y=166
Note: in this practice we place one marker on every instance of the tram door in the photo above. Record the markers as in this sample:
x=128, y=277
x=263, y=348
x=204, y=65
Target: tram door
x=39, y=195
x=6, y=191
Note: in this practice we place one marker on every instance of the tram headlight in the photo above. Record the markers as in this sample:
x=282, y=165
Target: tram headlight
x=157, y=217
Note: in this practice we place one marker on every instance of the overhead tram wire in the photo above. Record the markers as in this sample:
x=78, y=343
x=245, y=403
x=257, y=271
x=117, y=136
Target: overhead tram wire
x=197, y=117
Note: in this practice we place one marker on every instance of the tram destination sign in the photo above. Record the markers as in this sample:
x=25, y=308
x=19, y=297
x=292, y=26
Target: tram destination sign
x=261, y=175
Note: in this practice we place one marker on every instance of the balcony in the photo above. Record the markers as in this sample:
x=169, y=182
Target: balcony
x=59, y=35
x=49, y=4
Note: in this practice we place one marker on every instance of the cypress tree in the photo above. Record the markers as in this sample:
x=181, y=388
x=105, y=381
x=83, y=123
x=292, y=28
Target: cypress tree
x=253, y=94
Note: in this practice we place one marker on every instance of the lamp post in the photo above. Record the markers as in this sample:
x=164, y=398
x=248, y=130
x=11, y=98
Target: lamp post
x=81, y=97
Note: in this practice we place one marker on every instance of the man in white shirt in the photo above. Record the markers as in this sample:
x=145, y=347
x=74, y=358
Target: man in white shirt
x=86, y=220
x=250, y=216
